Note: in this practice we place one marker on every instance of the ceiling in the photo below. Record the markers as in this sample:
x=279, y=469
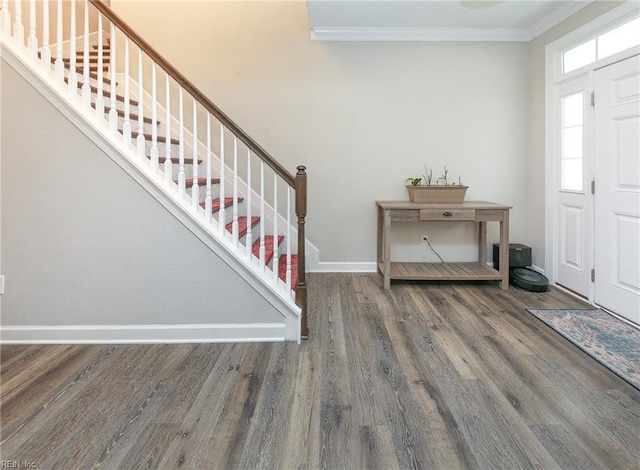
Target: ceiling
x=436, y=20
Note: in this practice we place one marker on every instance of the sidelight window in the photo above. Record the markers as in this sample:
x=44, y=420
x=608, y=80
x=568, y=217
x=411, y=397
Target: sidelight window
x=571, y=138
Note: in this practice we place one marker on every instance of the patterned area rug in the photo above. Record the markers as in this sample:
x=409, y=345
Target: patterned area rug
x=610, y=341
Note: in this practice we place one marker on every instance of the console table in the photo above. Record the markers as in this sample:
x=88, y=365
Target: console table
x=480, y=212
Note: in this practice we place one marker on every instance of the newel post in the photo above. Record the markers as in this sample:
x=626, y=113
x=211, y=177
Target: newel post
x=301, y=212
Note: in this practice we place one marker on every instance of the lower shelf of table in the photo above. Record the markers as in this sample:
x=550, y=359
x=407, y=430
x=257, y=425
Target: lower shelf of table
x=441, y=271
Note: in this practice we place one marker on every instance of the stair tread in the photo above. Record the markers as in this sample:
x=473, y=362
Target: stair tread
x=215, y=203
x=132, y=116
x=269, y=247
x=93, y=68
x=104, y=79
x=93, y=59
x=105, y=94
x=80, y=69
x=93, y=56
x=174, y=160
x=106, y=51
x=242, y=225
x=92, y=75
x=160, y=138
x=282, y=270
x=105, y=45
x=201, y=182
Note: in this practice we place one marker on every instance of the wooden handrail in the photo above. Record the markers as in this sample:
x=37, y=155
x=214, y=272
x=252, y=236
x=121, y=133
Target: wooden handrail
x=193, y=91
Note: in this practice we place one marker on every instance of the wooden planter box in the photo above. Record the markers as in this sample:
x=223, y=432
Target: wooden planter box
x=437, y=194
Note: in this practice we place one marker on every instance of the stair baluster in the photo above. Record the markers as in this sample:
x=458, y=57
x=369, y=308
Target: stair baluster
x=168, y=167
x=100, y=92
x=195, y=192
x=6, y=18
x=221, y=213
x=86, y=87
x=32, y=39
x=126, y=126
x=234, y=224
x=46, y=50
x=261, y=253
x=181, y=176
x=18, y=27
x=140, y=140
x=154, y=119
x=207, y=198
x=248, y=238
x=113, y=112
x=73, y=76
x=276, y=251
x=59, y=64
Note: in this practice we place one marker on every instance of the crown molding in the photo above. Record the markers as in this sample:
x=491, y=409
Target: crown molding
x=556, y=17
x=369, y=34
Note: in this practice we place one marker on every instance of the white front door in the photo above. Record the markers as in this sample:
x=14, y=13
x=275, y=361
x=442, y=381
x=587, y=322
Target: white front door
x=575, y=204
x=617, y=198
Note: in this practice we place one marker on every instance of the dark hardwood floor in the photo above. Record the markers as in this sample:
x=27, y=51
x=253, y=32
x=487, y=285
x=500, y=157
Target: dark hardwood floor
x=424, y=375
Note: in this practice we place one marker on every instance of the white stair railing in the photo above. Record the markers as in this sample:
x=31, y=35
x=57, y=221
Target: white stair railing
x=191, y=147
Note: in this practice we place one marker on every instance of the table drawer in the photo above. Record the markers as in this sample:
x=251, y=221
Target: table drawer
x=447, y=214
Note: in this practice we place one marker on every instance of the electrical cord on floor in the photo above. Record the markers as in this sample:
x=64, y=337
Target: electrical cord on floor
x=429, y=243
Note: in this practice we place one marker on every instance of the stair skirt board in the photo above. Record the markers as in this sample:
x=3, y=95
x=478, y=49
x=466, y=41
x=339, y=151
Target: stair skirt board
x=82, y=119
x=143, y=334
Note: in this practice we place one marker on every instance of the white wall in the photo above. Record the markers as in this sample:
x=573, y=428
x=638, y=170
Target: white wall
x=536, y=106
x=361, y=116
x=83, y=244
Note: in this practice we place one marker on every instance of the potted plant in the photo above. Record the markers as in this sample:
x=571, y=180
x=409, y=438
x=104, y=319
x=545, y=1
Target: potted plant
x=443, y=191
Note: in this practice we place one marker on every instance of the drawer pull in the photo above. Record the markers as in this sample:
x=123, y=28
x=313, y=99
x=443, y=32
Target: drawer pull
x=447, y=214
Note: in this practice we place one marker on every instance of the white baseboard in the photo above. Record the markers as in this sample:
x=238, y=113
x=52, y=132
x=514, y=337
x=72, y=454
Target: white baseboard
x=345, y=267
x=140, y=334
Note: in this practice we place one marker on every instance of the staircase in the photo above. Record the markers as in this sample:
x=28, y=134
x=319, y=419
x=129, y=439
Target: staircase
x=213, y=175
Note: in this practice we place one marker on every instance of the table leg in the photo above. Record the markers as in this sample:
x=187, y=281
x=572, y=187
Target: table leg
x=380, y=219
x=386, y=249
x=504, y=250
x=482, y=243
